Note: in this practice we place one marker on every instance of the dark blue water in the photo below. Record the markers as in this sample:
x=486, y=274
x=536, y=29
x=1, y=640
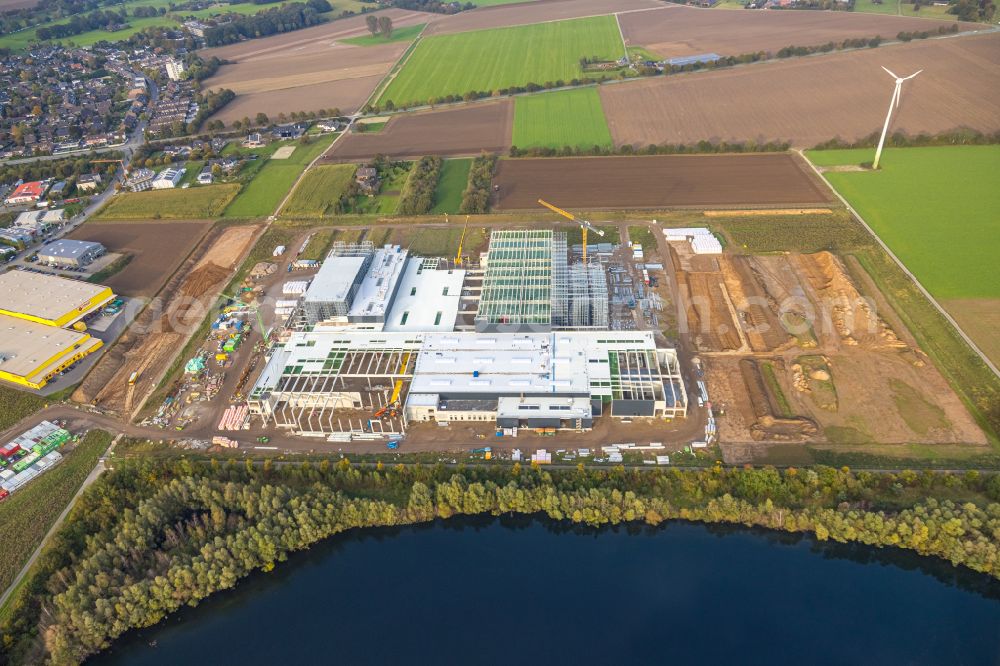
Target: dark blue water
x=498, y=591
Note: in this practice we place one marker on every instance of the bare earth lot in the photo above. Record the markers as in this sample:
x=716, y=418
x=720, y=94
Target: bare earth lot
x=306, y=70
x=157, y=249
x=810, y=100
x=161, y=330
x=459, y=131
x=656, y=181
x=793, y=353
x=679, y=30
x=535, y=12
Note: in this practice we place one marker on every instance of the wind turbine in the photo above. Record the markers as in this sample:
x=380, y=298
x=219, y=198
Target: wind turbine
x=893, y=103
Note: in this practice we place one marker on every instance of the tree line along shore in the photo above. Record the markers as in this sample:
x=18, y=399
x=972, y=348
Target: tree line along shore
x=192, y=528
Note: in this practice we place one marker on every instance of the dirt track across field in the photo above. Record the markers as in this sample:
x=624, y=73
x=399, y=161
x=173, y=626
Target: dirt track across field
x=682, y=31
x=811, y=100
x=502, y=16
x=156, y=248
x=460, y=131
x=658, y=181
x=308, y=69
x=161, y=331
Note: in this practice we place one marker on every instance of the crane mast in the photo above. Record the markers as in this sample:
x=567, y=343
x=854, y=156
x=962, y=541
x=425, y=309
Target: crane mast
x=584, y=224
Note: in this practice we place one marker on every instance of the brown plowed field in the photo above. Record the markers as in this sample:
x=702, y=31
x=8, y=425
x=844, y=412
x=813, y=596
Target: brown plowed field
x=156, y=248
x=810, y=100
x=306, y=70
x=680, y=31
x=656, y=181
x=459, y=131
x=503, y=16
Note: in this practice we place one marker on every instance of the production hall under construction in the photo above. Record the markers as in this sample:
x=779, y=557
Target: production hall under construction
x=382, y=339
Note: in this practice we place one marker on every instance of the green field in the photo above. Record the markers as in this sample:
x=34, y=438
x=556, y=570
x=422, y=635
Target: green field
x=406, y=34
x=448, y=194
x=936, y=208
x=319, y=191
x=898, y=7
x=196, y=203
x=29, y=513
x=488, y=60
x=563, y=118
x=262, y=195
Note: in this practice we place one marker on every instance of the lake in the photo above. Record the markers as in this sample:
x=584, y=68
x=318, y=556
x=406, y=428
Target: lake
x=486, y=590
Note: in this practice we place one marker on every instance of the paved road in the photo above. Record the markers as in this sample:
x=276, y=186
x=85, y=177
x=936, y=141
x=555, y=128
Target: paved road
x=93, y=476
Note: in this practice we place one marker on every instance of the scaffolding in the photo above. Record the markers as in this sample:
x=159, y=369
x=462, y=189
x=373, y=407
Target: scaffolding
x=517, y=286
x=588, y=296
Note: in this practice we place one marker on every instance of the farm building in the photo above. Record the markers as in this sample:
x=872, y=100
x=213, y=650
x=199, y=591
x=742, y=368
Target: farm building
x=26, y=193
x=168, y=178
x=48, y=299
x=70, y=253
x=88, y=182
x=324, y=382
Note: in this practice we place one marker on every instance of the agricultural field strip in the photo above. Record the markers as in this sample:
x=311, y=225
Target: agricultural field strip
x=951, y=320
x=501, y=57
x=799, y=99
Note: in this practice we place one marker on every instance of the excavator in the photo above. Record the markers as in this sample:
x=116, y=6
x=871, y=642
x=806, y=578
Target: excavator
x=584, y=224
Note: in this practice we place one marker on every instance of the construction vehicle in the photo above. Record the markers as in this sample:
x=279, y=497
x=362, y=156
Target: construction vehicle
x=584, y=224
x=461, y=240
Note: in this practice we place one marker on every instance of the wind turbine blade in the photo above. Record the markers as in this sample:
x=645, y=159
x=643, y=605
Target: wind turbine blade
x=912, y=75
x=890, y=73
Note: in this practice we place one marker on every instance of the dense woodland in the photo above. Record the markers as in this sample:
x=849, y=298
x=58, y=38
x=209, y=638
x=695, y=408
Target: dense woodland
x=285, y=18
x=476, y=197
x=155, y=535
x=417, y=196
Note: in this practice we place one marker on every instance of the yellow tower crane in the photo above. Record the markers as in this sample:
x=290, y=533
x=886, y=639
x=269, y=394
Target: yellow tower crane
x=461, y=240
x=584, y=224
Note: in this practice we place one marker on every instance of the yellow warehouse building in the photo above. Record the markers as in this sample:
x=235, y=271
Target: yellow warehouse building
x=49, y=299
x=35, y=313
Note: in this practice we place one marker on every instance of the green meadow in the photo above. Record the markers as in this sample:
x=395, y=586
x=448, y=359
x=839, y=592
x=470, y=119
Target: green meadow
x=563, y=118
x=488, y=60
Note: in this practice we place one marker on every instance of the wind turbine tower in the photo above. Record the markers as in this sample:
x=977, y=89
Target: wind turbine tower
x=893, y=103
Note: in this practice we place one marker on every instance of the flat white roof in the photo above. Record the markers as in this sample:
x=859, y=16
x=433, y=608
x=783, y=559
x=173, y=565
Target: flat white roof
x=45, y=296
x=375, y=293
x=470, y=362
x=25, y=346
x=428, y=298
x=334, y=279
x=543, y=407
